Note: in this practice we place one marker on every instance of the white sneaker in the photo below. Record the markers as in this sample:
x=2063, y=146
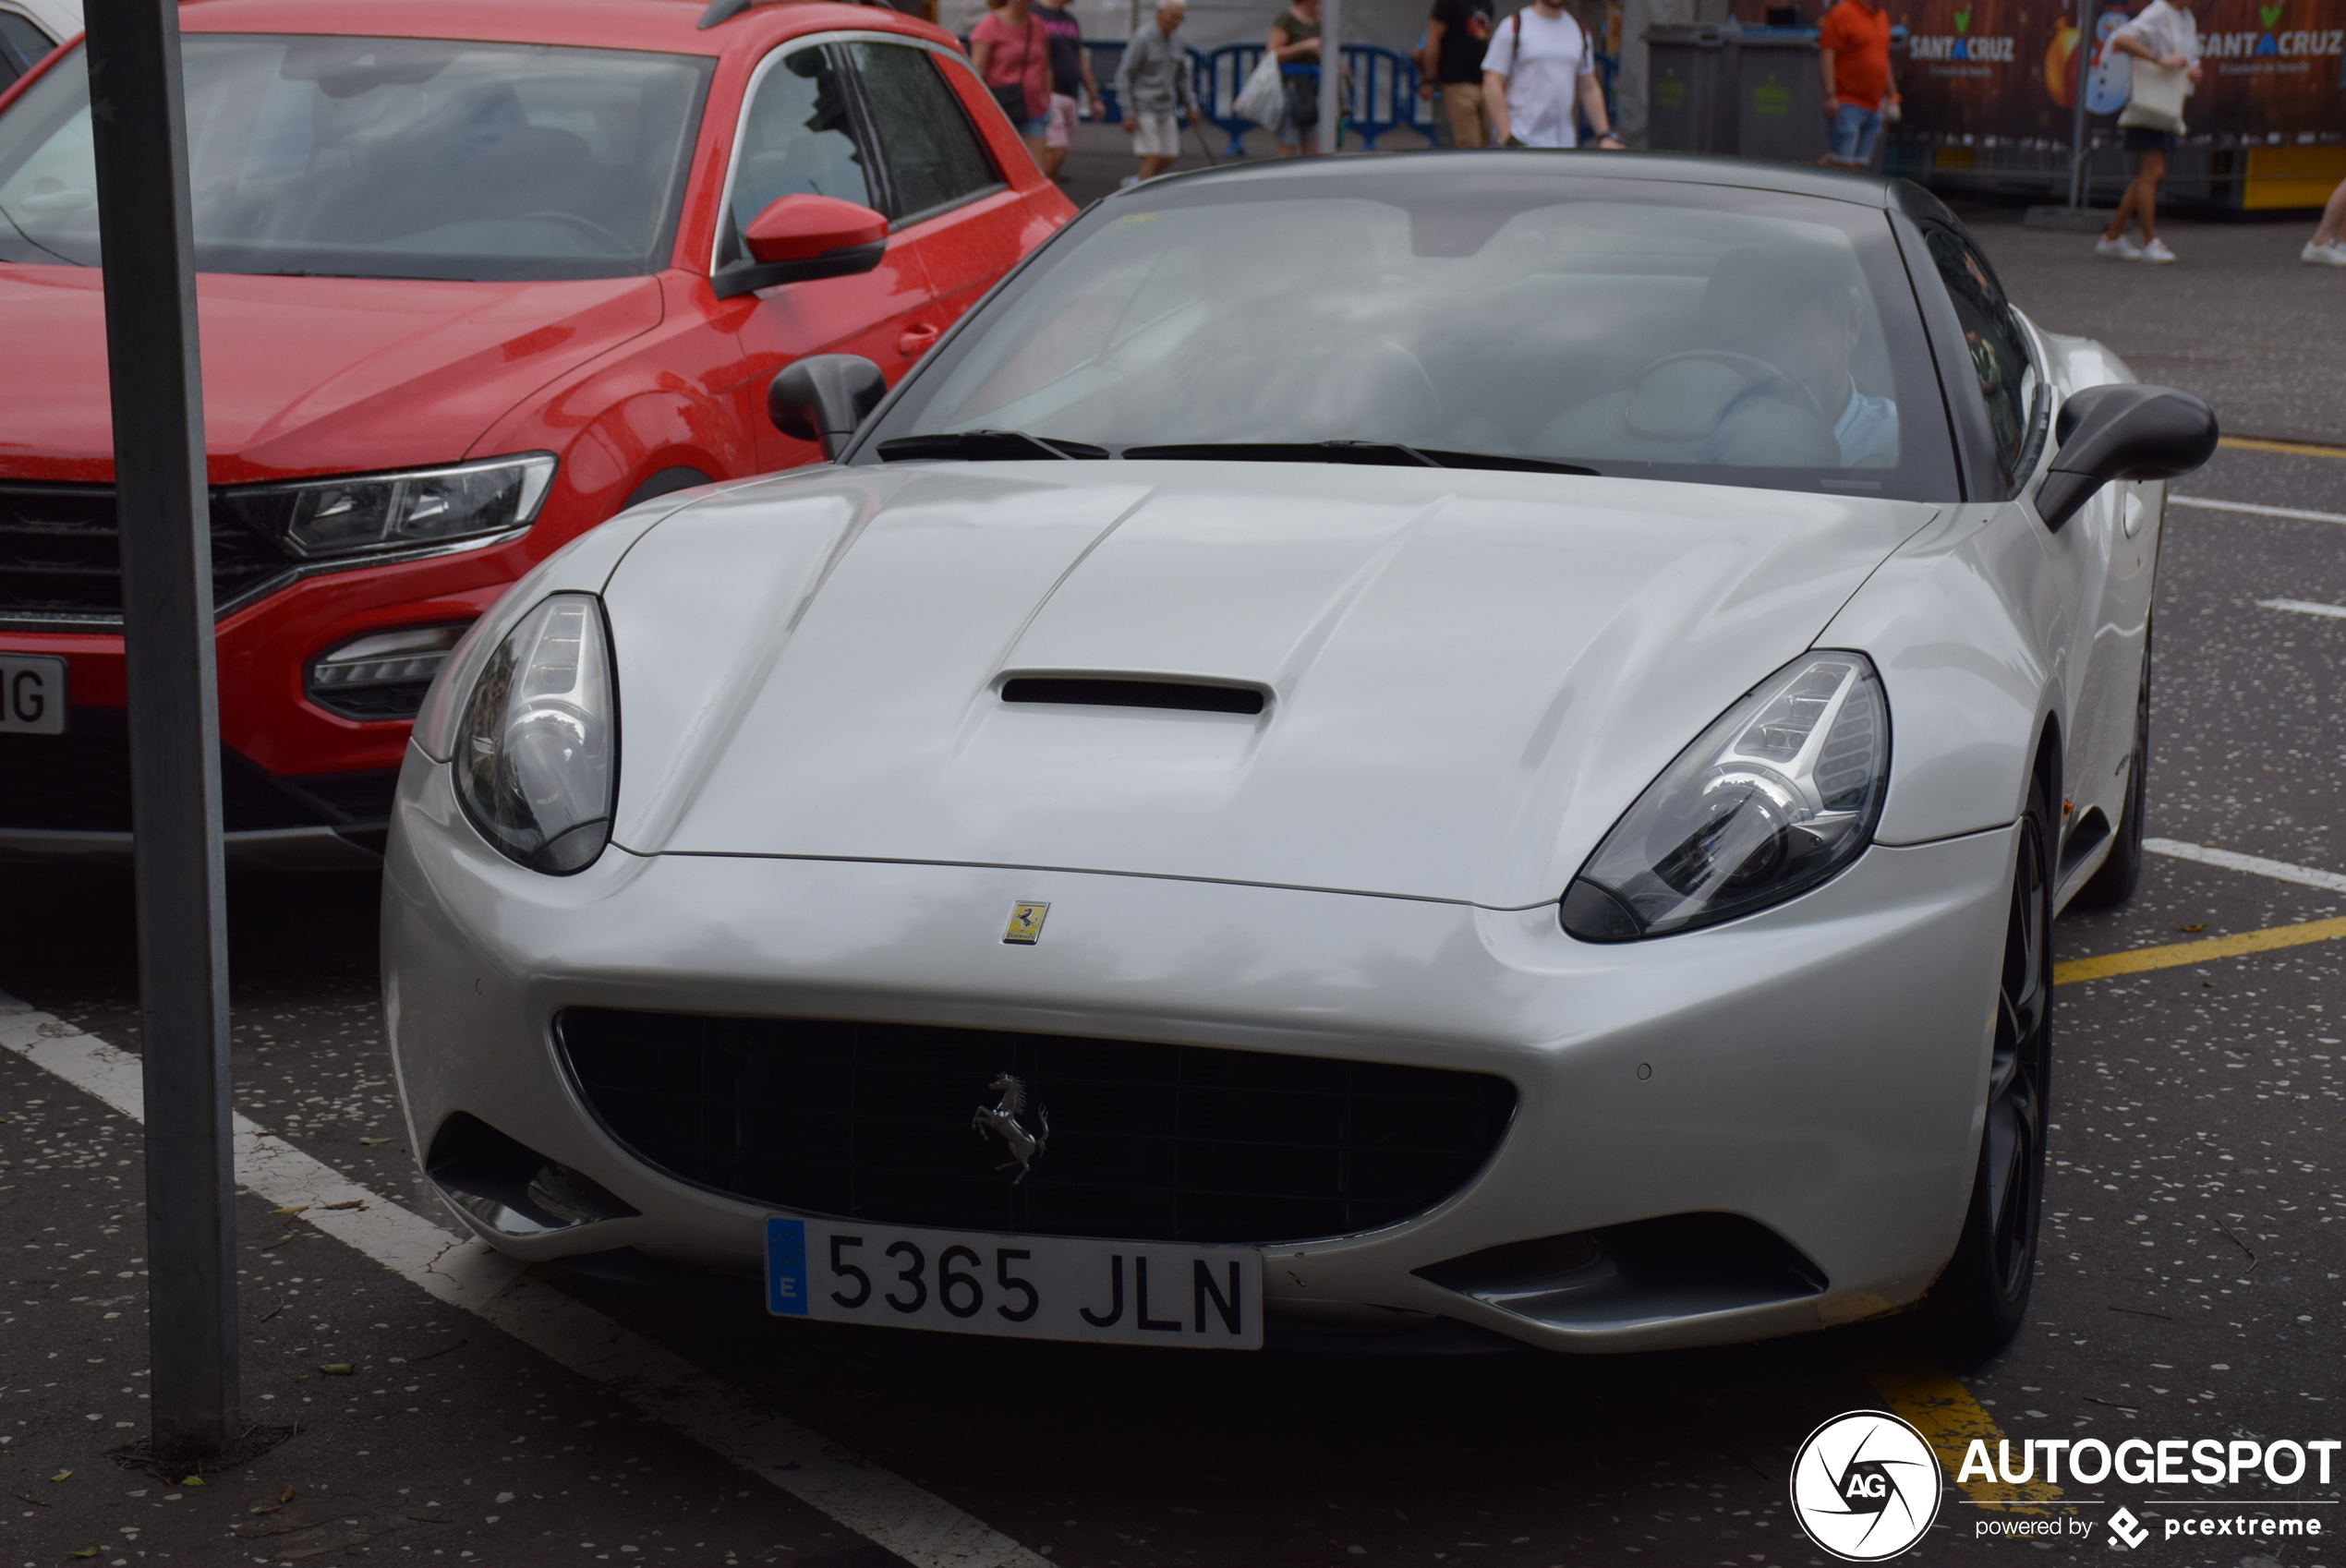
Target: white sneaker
x=2156, y=251
x=2118, y=250
x=2330, y=255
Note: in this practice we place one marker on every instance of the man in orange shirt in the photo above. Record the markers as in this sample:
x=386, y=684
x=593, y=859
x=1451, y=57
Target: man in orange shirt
x=1853, y=60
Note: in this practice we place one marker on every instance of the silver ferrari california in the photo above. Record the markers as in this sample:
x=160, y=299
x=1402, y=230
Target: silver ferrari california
x=1442, y=748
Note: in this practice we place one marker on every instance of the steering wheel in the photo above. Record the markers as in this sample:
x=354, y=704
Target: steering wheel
x=587, y=227
x=1774, y=378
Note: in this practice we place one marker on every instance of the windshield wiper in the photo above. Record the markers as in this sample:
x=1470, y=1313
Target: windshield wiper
x=984, y=446
x=1505, y=462
x=1389, y=453
x=1385, y=453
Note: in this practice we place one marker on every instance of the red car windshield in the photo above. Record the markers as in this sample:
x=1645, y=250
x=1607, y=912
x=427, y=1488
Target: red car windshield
x=385, y=158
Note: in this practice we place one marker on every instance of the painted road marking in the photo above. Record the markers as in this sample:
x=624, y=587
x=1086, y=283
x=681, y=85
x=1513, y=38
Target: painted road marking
x=2296, y=449
x=2256, y=865
x=2305, y=607
x=1950, y=1419
x=2135, y=960
x=2299, y=513
x=883, y=1507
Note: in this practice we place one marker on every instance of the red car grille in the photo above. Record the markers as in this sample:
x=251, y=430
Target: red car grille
x=61, y=557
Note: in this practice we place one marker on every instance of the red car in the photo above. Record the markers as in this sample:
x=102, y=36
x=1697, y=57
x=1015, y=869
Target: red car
x=474, y=276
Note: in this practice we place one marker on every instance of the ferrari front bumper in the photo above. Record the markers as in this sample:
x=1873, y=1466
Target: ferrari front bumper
x=1816, y=1070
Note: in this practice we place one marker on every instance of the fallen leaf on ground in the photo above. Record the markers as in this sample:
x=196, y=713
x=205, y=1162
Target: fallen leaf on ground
x=353, y=1202
x=2201, y=926
x=192, y=1480
x=61, y=1474
x=290, y=1209
x=85, y=1552
x=337, y=1368
x=372, y=1141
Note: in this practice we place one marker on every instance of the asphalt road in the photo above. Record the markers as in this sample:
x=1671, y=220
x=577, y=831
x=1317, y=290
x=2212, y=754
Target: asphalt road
x=2191, y=1283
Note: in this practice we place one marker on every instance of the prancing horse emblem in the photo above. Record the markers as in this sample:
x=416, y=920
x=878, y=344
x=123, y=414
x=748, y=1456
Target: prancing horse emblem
x=1001, y=1118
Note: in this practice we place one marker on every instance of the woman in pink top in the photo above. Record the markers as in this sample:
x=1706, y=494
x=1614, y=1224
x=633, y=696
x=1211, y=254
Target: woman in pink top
x=1011, y=50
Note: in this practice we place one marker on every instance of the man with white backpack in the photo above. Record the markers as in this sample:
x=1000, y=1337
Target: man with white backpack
x=1539, y=65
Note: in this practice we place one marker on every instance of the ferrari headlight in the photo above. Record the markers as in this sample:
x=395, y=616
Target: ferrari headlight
x=1778, y=795
x=537, y=756
x=363, y=514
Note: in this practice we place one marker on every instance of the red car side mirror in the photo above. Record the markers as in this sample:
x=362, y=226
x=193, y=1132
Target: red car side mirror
x=801, y=238
x=802, y=227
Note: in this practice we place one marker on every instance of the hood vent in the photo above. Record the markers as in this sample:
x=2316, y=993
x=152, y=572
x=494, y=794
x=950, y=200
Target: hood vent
x=1092, y=691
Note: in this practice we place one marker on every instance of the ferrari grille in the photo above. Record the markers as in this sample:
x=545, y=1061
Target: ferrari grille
x=1146, y=1142
x=61, y=556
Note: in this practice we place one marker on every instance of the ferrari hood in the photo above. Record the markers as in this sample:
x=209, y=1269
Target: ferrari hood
x=306, y=375
x=1466, y=677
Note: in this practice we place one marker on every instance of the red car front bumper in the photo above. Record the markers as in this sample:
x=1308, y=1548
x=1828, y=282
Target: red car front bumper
x=302, y=787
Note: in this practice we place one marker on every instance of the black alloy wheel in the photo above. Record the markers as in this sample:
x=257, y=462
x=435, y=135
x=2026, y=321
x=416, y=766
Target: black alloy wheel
x=1981, y=1300
x=2123, y=872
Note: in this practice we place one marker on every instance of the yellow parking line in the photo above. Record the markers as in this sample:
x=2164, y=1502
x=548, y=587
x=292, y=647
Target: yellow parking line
x=2137, y=959
x=1949, y=1421
x=2296, y=449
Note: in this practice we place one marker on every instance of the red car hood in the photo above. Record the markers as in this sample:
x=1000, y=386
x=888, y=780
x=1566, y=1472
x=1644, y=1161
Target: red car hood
x=306, y=375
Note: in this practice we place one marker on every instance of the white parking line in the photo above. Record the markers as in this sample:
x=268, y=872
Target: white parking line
x=882, y=1507
x=2256, y=865
x=2305, y=607
x=2298, y=513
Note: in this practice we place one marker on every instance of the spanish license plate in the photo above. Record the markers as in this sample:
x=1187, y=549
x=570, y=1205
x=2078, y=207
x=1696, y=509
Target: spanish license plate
x=32, y=695
x=1021, y=1287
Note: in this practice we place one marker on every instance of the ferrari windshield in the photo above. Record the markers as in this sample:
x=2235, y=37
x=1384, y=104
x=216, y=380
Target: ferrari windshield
x=1632, y=327
x=384, y=157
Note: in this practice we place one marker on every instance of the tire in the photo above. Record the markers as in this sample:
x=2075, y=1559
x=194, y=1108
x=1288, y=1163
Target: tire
x=1982, y=1297
x=2123, y=872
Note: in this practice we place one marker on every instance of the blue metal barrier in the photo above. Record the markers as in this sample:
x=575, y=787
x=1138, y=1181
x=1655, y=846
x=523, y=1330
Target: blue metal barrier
x=1382, y=95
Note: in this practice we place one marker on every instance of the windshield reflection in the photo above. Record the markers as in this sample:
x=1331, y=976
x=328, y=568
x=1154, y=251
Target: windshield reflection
x=1655, y=330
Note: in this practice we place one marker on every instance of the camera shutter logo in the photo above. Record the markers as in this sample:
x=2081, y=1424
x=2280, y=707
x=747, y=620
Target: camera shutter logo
x=1866, y=1486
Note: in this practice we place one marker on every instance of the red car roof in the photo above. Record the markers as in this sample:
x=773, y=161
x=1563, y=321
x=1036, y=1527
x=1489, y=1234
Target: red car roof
x=669, y=26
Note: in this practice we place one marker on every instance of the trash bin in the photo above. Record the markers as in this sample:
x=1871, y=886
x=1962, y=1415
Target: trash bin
x=1779, y=104
x=1691, y=89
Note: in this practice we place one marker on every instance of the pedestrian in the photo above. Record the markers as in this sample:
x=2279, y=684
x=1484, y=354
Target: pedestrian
x=1070, y=75
x=1012, y=54
x=2166, y=40
x=1158, y=90
x=1852, y=62
x=1538, y=66
x=1450, y=60
x=2327, y=249
x=1294, y=43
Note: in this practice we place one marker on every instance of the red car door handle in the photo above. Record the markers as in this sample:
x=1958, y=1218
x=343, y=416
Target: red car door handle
x=917, y=339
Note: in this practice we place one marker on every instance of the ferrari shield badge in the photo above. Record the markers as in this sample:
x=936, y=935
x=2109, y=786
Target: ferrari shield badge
x=1026, y=924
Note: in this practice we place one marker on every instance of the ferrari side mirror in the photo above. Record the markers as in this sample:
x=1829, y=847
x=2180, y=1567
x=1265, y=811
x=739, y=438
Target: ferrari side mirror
x=801, y=238
x=823, y=397
x=2123, y=432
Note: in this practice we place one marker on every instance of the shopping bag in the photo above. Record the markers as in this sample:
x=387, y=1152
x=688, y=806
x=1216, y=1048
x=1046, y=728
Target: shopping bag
x=1263, y=96
x=2156, y=100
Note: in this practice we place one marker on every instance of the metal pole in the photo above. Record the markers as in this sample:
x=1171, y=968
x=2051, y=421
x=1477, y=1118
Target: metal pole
x=2086, y=20
x=146, y=228
x=1331, y=74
